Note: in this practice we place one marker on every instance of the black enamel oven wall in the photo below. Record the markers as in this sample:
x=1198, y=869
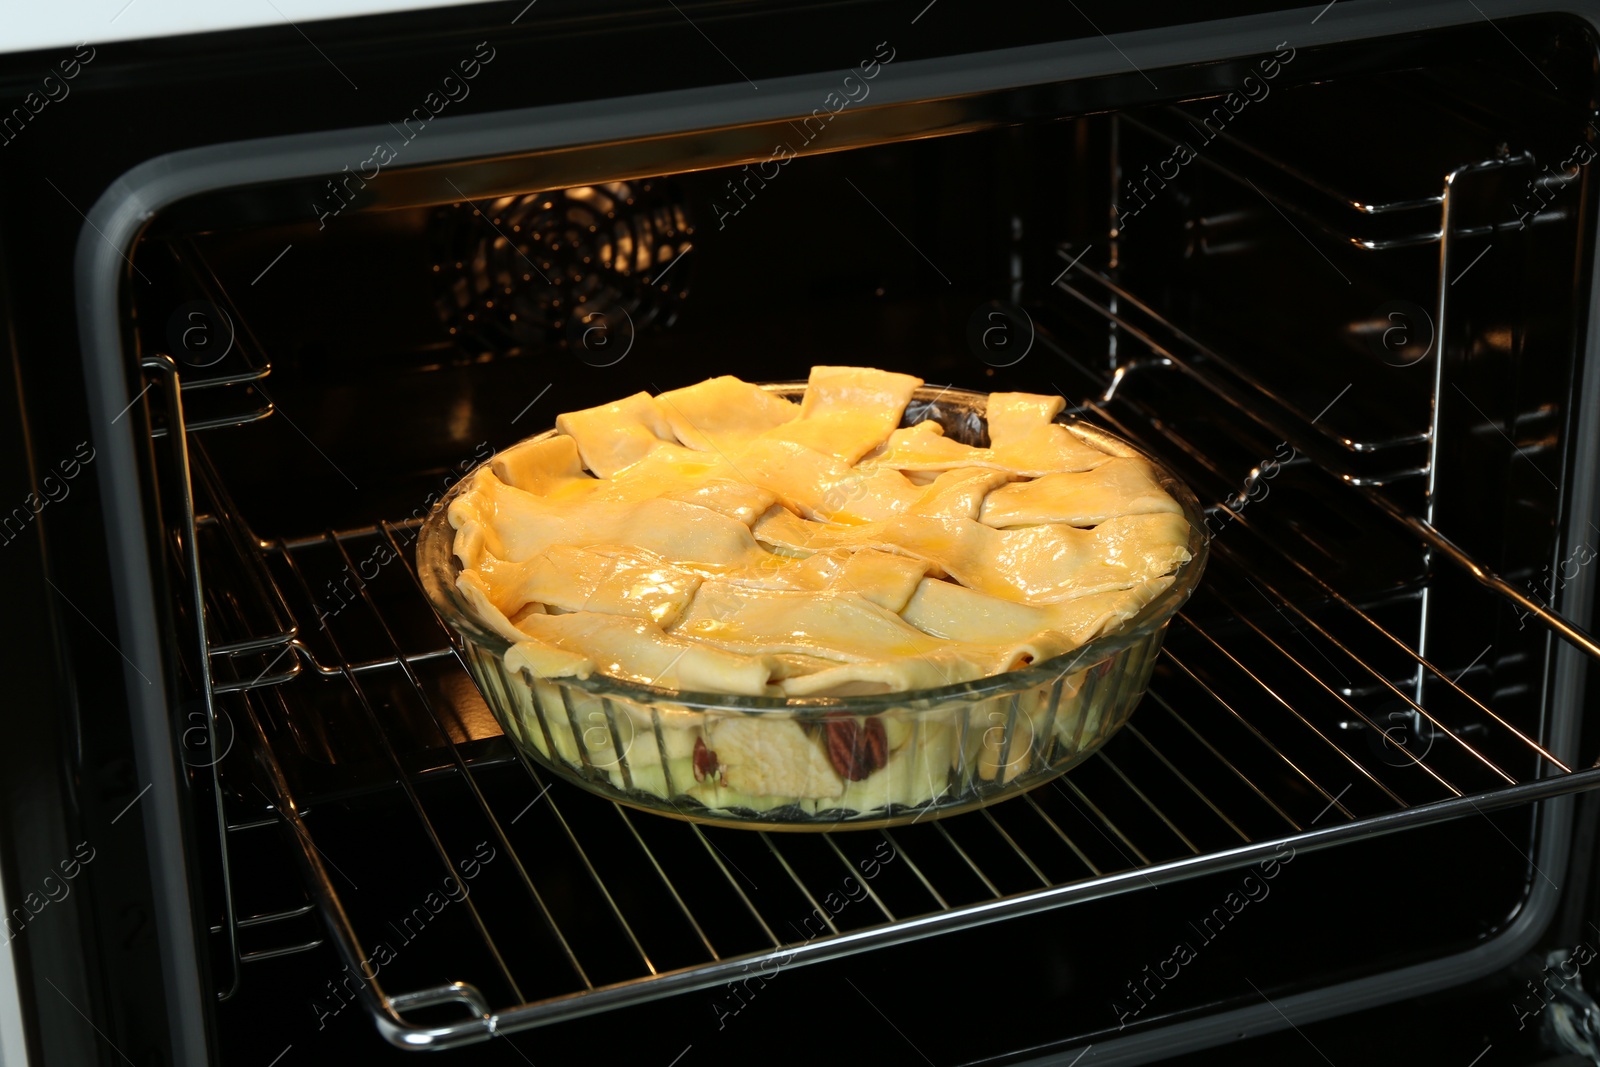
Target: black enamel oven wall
x=894, y=255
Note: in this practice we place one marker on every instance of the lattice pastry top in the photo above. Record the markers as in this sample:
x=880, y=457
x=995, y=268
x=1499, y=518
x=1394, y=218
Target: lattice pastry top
x=719, y=538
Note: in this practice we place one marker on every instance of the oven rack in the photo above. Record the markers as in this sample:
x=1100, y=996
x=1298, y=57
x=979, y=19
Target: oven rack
x=1090, y=834
x=1249, y=740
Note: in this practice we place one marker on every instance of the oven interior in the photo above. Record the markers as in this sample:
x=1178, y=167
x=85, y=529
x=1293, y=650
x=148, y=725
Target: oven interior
x=1343, y=302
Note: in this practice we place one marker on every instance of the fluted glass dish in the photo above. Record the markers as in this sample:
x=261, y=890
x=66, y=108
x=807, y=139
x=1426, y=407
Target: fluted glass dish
x=899, y=757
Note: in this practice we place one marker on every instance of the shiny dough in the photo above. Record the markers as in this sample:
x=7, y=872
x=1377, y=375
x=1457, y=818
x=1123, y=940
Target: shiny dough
x=1033, y=564
x=719, y=538
x=1087, y=498
x=612, y=436
x=1023, y=440
x=722, y=414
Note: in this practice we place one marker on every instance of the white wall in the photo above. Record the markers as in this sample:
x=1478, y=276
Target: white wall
x=51, y=24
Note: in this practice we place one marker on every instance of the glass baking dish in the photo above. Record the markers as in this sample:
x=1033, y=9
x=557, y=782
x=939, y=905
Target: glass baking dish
x=895, y=757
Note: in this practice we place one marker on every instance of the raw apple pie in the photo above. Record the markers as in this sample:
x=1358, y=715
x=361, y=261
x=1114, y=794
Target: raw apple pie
x=722, y=541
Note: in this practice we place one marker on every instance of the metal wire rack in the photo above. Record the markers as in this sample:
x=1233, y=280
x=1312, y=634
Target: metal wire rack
x=1290, y=706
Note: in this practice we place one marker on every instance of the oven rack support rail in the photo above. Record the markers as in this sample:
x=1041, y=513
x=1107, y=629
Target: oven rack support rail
x=1305, y=440
x=1335, y=213
x=223, y=363
x=205, y=778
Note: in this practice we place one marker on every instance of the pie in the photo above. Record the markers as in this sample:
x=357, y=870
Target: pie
x=721, y=539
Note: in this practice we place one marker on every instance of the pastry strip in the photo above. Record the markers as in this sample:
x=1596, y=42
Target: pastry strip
x=1116, y=487
x=1034, y=565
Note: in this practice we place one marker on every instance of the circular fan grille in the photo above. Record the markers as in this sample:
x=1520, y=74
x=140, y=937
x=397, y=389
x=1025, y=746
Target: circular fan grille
x=581, y=268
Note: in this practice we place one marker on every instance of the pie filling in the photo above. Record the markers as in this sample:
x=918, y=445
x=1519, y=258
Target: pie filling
x=722, y=539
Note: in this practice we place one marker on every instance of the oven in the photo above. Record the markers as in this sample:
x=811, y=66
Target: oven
x=269, y=291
